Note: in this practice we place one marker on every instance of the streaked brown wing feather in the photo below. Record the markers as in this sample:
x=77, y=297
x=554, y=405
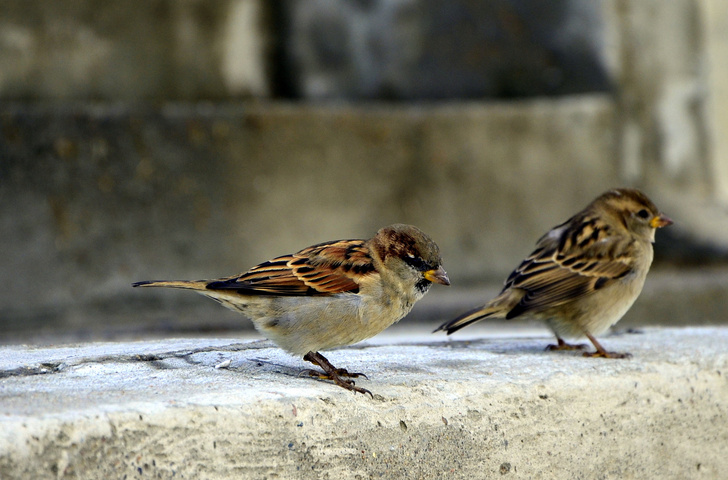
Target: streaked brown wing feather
x=323, y=269
x=566, y=268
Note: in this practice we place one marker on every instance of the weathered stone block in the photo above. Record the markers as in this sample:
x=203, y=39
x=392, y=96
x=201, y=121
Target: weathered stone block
x=132, y=51
x=425, y=49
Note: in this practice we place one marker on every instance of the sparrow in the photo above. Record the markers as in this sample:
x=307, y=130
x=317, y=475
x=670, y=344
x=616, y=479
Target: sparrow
x=330, y=294
x=584, y=274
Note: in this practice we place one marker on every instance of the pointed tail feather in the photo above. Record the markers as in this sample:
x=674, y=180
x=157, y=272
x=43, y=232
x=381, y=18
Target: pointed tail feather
x=227, y=298
x=466, y=319
x=197, y=285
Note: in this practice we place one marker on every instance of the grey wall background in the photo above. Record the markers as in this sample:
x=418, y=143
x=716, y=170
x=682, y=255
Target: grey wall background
x=192, y=139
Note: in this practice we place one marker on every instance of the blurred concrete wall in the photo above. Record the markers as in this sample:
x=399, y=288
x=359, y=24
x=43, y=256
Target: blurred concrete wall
x=190, y=139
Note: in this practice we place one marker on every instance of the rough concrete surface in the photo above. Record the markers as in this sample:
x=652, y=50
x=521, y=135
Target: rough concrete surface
x=463, y=407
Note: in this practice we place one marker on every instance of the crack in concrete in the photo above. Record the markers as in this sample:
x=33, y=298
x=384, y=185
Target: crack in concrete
x=40, y=369
x=46, y=368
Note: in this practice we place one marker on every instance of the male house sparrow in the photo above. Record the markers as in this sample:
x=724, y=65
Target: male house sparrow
x=331, y=294
x=584, y=274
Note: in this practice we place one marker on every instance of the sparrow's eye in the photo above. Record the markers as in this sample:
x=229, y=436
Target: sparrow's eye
x=415, y=262
x=643, y=213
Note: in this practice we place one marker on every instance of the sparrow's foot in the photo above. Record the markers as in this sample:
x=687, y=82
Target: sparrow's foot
x=562, y=345
x=334, y=374
x=606, y=354
x=341, y=372
x=602, y=352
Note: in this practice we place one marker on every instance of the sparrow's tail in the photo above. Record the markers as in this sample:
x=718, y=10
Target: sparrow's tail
x=196, y=285
x=468, y=318
x=228, y=298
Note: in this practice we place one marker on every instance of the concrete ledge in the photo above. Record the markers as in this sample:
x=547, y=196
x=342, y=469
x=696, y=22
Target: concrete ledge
x=467, y=407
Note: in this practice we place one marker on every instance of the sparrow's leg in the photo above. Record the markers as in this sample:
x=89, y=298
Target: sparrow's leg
x=342, y=372
x=333, y=373
x=601, y=352
x=562, y=345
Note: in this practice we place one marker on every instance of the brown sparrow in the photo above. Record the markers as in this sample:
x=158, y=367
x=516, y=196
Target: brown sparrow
x=331, y=294
x=584, y=274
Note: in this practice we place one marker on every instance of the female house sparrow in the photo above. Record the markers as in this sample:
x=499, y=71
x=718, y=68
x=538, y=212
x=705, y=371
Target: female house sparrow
x=584, y=274
x=331, y=294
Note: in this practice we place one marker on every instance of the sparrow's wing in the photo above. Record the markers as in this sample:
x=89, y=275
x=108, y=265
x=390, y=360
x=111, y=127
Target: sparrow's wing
x=573, y=260
x=324, y=269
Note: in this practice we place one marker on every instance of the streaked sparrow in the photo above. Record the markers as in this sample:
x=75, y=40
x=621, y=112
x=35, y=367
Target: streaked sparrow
x=331, y=294
x=584, y=274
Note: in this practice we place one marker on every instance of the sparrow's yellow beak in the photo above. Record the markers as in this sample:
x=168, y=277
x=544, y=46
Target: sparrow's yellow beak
x=660, y=221
x=437, y=276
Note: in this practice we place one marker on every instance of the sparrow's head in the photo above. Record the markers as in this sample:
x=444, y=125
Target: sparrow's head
x=632, y=209
x=411, y=255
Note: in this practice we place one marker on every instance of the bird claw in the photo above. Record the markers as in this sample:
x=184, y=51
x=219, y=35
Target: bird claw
x=606, y=354
x=313, y=373
x=349, y=385
x=602, y=352
x=344, y=383
x=562, y=345
x=334, y=374
x=342, y=372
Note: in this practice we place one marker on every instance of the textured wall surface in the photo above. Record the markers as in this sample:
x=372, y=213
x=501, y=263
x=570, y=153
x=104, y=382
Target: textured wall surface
x=423, y=49
x=132, y=51
x=149, y=139
x=94, y=198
